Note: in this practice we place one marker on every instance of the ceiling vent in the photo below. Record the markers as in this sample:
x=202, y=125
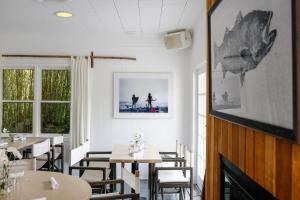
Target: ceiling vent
x=180, y=39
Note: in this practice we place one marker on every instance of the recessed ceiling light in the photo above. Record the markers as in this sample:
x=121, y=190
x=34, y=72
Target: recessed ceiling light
x=63, y=14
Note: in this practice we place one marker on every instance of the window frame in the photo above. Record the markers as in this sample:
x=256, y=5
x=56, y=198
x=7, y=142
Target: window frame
x=199, y=149
x=40, y=101
x=37, y=101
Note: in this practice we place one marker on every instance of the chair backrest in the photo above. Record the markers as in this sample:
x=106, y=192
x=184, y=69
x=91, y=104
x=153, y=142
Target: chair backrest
x=188, y=155
x=179, y=149
x=131, y=179
x=55, y=140
x=79, y=153
x=22, y=165
x=41, y=148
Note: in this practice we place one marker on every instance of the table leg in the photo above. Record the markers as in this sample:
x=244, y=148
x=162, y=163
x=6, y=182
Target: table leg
x=113, y=176
x=134, y=167
x=151, y=180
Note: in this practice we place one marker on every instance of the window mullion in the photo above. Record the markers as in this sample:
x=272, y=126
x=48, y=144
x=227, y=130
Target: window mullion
x=54, y=101
x=1, y=96
x=37, y=97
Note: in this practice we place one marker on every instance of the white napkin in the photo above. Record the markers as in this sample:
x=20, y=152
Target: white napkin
x=42, y=198
x=54, y=183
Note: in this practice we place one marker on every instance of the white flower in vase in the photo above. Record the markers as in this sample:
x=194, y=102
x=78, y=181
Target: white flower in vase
x=7, y=156
x=137, y=144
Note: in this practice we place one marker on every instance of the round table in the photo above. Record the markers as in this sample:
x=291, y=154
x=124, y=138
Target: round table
x=36, y=184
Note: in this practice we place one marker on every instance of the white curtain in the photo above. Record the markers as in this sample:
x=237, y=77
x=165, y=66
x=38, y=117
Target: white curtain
x=80, y=106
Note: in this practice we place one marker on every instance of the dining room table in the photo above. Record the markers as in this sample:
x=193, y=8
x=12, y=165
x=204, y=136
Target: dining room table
x=36, y=185
x=150, y=155
x=20, y=144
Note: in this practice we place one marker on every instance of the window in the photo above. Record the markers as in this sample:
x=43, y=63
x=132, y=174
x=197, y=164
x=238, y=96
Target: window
x=36, y=100
x=201, y=123
x=18, y=96
x=55, y=103
x=201, y=126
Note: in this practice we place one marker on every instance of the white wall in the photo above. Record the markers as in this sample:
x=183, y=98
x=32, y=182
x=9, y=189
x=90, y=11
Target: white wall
x=151, y=57
x=107, y=131
x=197, y=59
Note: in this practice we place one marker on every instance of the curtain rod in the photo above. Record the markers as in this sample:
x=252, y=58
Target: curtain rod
x=67, y=56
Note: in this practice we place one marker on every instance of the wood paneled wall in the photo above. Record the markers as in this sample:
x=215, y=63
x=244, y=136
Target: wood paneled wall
x=272, y=162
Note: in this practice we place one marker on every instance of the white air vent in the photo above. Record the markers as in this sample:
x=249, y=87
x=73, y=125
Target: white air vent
x=178, y=40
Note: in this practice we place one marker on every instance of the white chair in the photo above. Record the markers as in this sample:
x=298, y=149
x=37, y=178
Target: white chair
x=175, y=177
x=57, y=153
x=38, y=150
x=174, y=154
x=94, y=167
x=126, y=177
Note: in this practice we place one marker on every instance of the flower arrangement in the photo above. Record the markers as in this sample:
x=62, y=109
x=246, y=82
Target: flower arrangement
x=137, y=144
x=7, y=156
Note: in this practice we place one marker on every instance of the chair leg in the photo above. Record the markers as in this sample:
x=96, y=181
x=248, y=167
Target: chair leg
x=181, y=194
x=191, y=193
x=156, y=191
x=53, y=157
x=162, y=193
x=49, y=161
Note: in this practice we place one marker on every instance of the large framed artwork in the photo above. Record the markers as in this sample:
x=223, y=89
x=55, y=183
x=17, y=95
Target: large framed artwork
x=142, y=95
x=252, y=67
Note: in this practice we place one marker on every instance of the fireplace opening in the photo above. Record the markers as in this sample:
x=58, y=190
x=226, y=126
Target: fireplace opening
x=236, y=185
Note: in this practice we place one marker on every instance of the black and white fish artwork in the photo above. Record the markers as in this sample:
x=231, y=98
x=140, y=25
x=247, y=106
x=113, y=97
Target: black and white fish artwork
x=245, y=46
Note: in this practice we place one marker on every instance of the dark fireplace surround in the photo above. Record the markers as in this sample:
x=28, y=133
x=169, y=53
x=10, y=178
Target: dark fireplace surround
x=236, y=185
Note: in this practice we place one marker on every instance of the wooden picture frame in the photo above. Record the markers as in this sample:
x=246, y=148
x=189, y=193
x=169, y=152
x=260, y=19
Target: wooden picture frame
x=234, y=70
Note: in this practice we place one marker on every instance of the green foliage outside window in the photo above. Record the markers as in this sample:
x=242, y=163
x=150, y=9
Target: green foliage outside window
x=18, y=85
x=17, y=117
x=18, y=97
x=55, y=117
x=56, y=86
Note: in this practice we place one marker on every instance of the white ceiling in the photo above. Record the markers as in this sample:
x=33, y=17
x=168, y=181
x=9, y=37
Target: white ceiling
x=129, y=17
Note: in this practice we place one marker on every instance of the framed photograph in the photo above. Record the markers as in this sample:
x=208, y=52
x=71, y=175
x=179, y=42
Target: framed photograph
x=142, y=95
x=252, y=64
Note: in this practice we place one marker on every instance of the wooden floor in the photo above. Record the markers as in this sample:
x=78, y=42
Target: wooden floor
x=145, y=193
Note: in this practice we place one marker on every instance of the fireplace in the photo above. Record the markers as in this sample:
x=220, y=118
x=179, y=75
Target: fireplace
x=235, y=185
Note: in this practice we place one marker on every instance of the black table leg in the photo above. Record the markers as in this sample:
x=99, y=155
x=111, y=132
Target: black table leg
x=134, y=167
x=151, y=180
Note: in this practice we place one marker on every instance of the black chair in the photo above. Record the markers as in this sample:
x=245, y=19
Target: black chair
x=167, y=157
x=178, y=176
x=128, y=177
x=95, y=167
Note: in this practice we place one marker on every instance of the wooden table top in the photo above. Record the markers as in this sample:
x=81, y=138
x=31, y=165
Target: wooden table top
x=22, y=144
x=36, y=184
x=120, y=153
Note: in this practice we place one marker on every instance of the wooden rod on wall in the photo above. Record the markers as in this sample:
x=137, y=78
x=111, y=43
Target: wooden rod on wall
x=92, y=59
x=67, y=56
x=35, y=56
